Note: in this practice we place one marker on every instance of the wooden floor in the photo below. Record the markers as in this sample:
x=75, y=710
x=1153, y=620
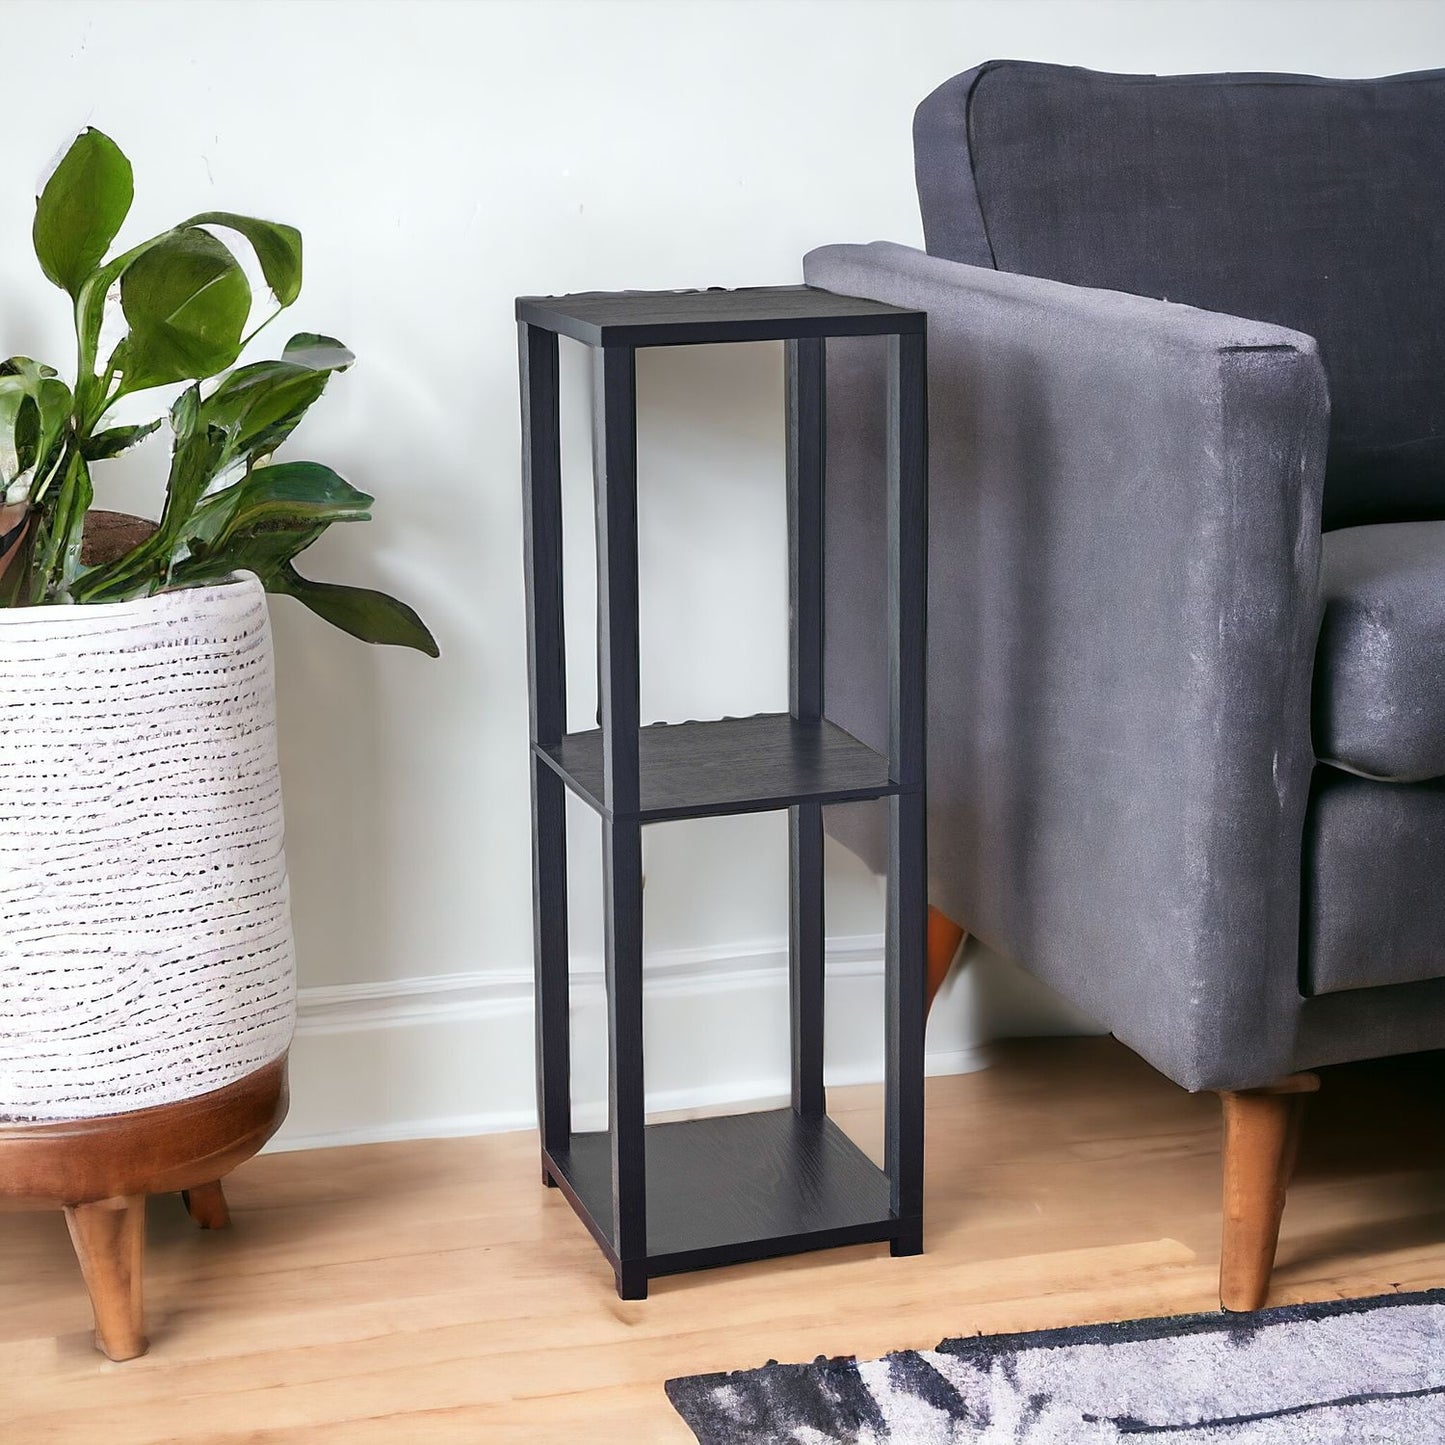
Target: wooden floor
x=435, y=1291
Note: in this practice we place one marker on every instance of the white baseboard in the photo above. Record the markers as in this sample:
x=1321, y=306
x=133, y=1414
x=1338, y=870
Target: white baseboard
x=435, y=1057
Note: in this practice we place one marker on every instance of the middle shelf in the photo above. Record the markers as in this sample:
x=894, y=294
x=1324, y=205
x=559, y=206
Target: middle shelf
x=731, y=765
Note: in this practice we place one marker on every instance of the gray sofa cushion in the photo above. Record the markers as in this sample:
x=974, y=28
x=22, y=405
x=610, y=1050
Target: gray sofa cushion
x=1379, y=696
x=1316, y=204
x=1374, y=910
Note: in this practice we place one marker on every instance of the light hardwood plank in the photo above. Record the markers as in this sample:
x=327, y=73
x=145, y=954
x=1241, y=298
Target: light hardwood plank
x=433, y=1291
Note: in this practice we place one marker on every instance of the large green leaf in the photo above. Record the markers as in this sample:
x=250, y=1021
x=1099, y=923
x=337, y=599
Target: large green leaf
x=277, y=248
x=371, y=616
x=187, y=302
x=81, y=208
x=265, y=553
x=168, y=352
x=292, y=496
x=258, y=406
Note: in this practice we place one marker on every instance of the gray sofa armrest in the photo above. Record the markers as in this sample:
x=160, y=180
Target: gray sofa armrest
x=1123, y=606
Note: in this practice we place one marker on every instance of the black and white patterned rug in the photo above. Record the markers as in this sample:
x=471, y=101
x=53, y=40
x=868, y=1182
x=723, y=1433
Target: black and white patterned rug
x=1351, y=1372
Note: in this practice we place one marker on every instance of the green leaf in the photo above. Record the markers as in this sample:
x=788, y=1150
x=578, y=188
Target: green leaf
x=35, y=371
x=25, y=433
x=81, y=208
x=187, y=301
x=89, y=316
x=286, y=495
x=194, y=459
x=371, y=616
x=90, y=305
x=56, y=560
x=258, y=406
x=115, y=440
x=18, y=425
x=277, y=248
x=193, y=465
x=319, y=353
x=265, y=553
x=186, y=412
x=34, y=411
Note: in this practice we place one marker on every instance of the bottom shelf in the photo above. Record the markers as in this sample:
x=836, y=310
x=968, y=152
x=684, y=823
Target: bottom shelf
x=746, y=1186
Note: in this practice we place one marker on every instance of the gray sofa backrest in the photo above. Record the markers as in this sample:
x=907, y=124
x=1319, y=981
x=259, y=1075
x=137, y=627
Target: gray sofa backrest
x=1315, y=204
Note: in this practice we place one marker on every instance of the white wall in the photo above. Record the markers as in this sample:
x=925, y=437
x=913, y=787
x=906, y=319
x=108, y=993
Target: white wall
x=441, y=159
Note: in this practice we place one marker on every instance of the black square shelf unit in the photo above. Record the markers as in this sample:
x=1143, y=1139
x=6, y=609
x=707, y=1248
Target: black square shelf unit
x=664, y=1198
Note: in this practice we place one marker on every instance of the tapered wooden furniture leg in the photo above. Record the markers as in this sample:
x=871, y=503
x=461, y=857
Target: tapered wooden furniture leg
x=109, y=1240
x=119, y=1159
x=1261, y=1140
x=944, y=938
x=206, y=1204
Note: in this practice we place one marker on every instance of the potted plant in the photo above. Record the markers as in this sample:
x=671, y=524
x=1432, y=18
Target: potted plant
x=146, y=974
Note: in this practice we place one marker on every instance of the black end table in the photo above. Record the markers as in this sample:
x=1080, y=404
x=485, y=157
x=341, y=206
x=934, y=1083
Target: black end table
x=669, y=1197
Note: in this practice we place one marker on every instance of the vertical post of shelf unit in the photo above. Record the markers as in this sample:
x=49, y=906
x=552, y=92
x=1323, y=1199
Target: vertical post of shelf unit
x=614, y=403
x=805, y=362
x=547, y=689
x=907, y=871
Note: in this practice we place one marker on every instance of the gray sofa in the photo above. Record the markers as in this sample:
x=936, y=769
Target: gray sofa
x=1187, y=590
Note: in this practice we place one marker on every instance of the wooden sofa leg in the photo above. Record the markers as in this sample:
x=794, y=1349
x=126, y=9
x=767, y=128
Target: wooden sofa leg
x=1261, y=1139
x=109, y=1240
x=944, y=938
x=206, y=1204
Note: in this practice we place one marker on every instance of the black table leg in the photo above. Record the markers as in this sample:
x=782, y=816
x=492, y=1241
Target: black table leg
x=546, y=671
x=804, y=362
x=615, y=459
x=906, y=932
x=904, y=983
x=622, y=899
x=805, y=956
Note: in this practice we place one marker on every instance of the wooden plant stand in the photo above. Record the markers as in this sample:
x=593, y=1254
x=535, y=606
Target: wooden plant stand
x=101, y=1170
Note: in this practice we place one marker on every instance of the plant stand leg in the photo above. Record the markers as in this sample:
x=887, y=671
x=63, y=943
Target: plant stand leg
x=1261, y=1140
x=206, y=1204
x=109, y=1240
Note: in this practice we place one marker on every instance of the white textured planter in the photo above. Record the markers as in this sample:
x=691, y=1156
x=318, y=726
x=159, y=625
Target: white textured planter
x=145, y=935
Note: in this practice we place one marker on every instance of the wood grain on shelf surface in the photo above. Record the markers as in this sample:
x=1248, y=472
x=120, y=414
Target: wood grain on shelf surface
x=731, y=765
x=742, y=1187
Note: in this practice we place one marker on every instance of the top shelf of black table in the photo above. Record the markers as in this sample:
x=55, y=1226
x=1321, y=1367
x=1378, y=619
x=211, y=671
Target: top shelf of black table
x=693, y=318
